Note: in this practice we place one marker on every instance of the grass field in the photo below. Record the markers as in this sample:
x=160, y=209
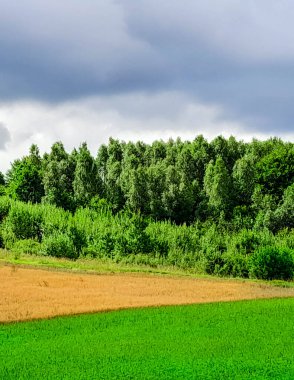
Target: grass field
x=235, y=340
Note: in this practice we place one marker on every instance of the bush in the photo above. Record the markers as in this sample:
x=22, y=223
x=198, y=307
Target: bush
x=235, y=265
x=8, y=238
x=131, y=236
x=5, y=204
x=244, y=241
x=213, y=262
x=78, y=237
x=59, y=245
x=24, y=221
x=272, y=263
x=102, y=245
x=55, y=220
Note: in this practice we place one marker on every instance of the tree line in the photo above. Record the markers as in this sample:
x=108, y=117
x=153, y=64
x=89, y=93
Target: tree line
x=248, y=183
x=223, y=207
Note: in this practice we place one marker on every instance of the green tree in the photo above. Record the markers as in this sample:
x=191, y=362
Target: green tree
x=201, y=156
x=113, y=189
x=229, y=149
x=2, y=184
x=24, y=179
x=244, y=174
x=86, y=183
x=283, y=215
x=178, y=197
x=136, y=194
x=130, y=162
x=275, y=171
x=173, y=149
x=155, y=187
x=157, y=151
x=59, y=168
x=2, y=179
x=217, y=186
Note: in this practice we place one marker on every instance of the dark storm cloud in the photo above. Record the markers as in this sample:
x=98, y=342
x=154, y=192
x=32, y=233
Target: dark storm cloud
x=235, y=54
x=65, y=49
x=232, y=53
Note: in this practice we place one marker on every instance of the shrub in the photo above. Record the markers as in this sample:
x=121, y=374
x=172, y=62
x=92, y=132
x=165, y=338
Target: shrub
x=285, y=238
x=59, y=245
x=55, y=220
x=213, y=262
x=131, y=236
x=5, y=204
x=271, y=263
x=235, y=265
x=7, y=236
x=101, y=245
x=24, y=221
x=77, y=235
x=2, y=189
x=245, y=241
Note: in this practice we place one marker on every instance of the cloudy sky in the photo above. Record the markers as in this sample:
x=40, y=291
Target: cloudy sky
x=85, y=70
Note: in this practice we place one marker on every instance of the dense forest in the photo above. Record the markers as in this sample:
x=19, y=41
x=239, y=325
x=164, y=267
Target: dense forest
x=223, y=207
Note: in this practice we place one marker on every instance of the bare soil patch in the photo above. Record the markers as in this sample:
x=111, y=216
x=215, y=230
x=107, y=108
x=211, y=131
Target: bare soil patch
x=27, y=294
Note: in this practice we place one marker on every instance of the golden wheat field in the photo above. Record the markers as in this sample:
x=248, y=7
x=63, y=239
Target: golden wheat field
x=27, y=294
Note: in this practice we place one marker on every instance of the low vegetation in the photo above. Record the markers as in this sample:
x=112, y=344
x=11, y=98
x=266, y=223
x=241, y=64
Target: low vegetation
x=247, y=339
x=130, y=239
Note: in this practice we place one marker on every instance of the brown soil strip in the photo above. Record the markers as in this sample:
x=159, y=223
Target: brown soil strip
x=27, y=294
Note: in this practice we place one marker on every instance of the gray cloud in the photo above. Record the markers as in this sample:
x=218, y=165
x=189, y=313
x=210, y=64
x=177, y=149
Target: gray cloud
x=4, y=136
x=60, y=50
x=229, y=53
x=236, y=54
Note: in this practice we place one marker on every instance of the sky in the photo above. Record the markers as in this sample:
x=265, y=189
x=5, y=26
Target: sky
x=86, y=70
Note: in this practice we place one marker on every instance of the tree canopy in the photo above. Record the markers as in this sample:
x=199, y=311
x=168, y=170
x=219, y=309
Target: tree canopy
x=174, y=180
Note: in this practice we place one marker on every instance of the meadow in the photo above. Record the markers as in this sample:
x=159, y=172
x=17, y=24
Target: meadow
x=233, y=340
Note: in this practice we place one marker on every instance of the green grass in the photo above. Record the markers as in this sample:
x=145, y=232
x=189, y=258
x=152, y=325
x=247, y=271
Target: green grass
x=241, y=340
x=104, y=266
x=89, y=265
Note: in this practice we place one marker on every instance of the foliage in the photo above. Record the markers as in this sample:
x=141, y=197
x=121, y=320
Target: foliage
x=234, y=265
x=86, y=183
x=58, y=176
x=271, y=263
x=244, y=179
x=24, y=221
x=199, y=205
x=59, y=245
x=129, y=237
x=174, y=180
x=5, y=204
x=217, y=186
x=275, y=171
x=24, y=179
x=2, y=179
